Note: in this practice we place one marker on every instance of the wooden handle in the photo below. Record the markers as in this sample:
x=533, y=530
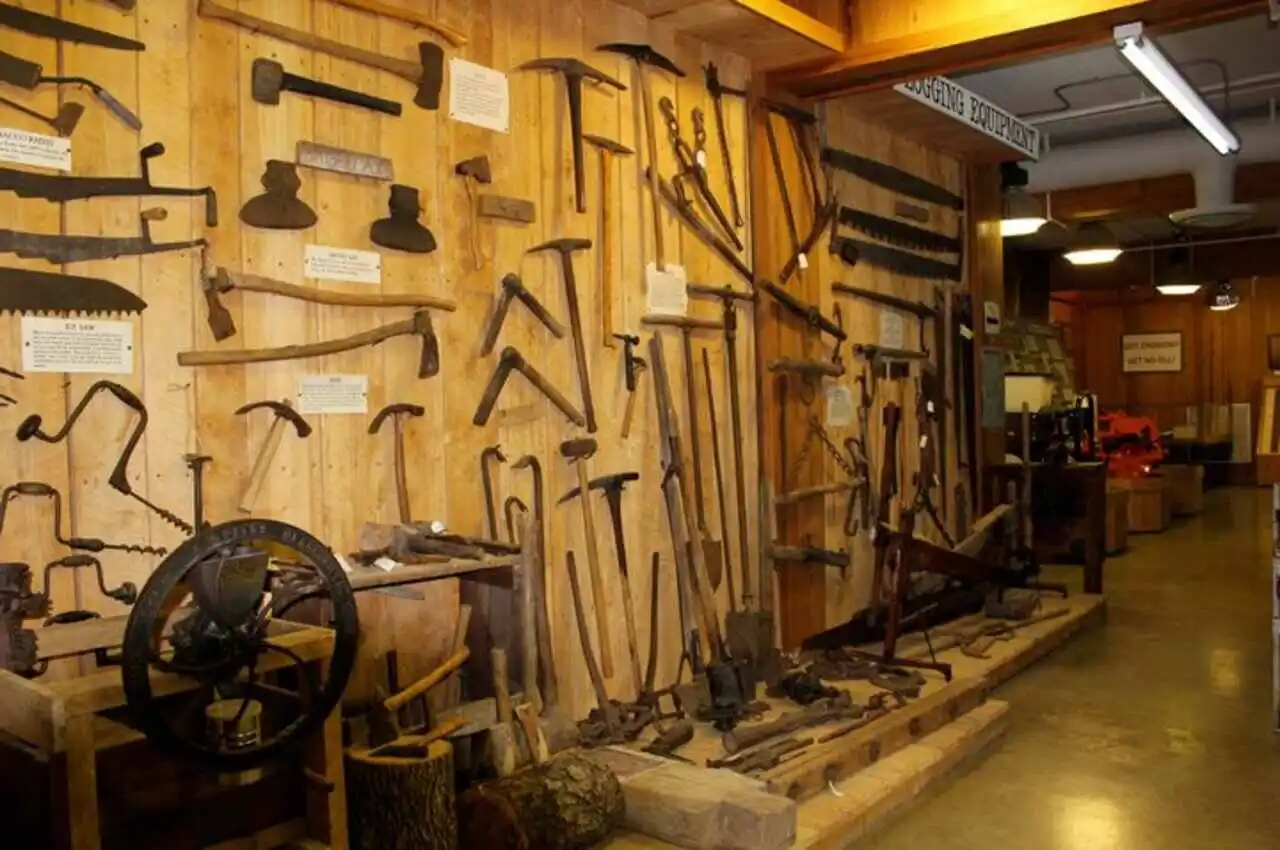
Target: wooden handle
x=691, y=322
x=584, y=636
x=262, y=465
x=533, y=734
x=597, y=578
x=426, y=683
x=529, y=533
x=606, y=250
x=435, y=733
x=455, y=37
x=629, y=414
x=296, y=352
x=629, y=616
x=256, y=283
x=501, y=690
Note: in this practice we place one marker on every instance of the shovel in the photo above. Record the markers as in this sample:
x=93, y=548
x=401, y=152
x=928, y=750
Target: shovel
x=749, y=633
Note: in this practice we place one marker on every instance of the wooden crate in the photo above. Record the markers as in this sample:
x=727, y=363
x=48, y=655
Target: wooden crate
x=1186, y=487
x=1117, y=519
x=1150, y=505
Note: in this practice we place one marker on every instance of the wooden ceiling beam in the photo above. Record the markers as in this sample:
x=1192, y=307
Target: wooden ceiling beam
x=1157, y=196
x=893, y=41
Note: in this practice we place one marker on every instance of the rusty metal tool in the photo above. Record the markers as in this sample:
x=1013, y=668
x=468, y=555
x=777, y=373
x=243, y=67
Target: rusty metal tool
x=284, y=414
x=651, y=669
x=608, y=710
x=419, y=326
x=270, y=79
x=47, y=26
x=62, y=187
x=546, y=659
x=608, y=150
x=691, y=170
x=27, y=75
x=513, y=288
x=487, y=456
x=33, y=293
x=577, y=452
x=75, y=249
x=396, y=413
x=64, y=123
x=612, y=487
x=632, y=367
x=684, y=208
x=196, y=463
x=645, y=57
x=427, y=73
x=719, y=480
x=810, y=314
x=401, y=229
x=825, y=710
x=513, y=507
x=713, y=550
x=574, y=72
x=760, y=757
x=278, y=207
x=41, y=490
x=454, y=36
x=718, y=90
x=513, y=361
x=566, y=247
x=220, y=281
x=671, y=739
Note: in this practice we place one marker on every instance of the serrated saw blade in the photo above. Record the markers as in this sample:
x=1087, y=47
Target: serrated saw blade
x=34, y=293
x=897, y=232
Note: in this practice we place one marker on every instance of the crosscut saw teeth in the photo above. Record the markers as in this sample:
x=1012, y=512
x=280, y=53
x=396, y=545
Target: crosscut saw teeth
x=853, y=251
x=37, y=293
x=898, y=233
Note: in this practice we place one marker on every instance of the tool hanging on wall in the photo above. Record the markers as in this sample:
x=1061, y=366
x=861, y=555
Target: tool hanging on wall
x=397, y=413
x=810, y=314
x=606, y=712
x=401, y=229
x=427, y=74
x=279, y=207
x=489, y=456
x=684, y=208
x=804, y=128
x=47, y=26
x=565, y=248
x=723, y=543
x=632, y=367
x=196, y=463
x=920, y=310
x=270, y=79
x=913, y=212
x=898, y=233
x=419, y=326
x=61, y=187
x=343, y=161
x=574, y=72
x=645, y=57
x=608, y=150
x=513, y=361
x=801, y=125
x=214, y=284
x=542, y=623
x=718, y=90
x=892, y=178
x=27, y=75
x=118, y=480
x=514, y=511
x=284, y=414
x=853, y=251
x=41, y=490
x=689, y=169
x=513, y=288
x=64, y=123
x=577, y=452
x=76, y=249
x=34, y=293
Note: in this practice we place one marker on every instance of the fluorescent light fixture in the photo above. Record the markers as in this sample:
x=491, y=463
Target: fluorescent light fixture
x=1094, y=246
x=1022, y=214
x=1092, y=256
x=1143, y=54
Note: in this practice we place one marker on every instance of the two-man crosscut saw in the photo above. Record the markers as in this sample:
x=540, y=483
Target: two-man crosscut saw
x=853, y=251
x=892, y=178
x=898, y=233
x=75, y=249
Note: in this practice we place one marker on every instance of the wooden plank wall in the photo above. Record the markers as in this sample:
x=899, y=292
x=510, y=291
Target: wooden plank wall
x=191, y=90
x=814, y=598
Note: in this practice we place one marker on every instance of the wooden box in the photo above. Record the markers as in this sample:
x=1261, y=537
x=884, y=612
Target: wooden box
x=1150, y=505
x=1117, y=519
x=1186, y=487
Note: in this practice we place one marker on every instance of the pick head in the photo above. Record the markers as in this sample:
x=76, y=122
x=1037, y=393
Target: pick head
x=282, y=410
x=609, y=145
x=642, y=53
x=567, y=245
x=268, y=78
x=571, y=68
x=397, y=409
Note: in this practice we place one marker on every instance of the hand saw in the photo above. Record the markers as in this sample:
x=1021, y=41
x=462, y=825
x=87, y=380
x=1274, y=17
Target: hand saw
x=897, y=232
x=851, y=251
x=75, y=249
x=33, y=292
x=891, y=178
x=47, y=26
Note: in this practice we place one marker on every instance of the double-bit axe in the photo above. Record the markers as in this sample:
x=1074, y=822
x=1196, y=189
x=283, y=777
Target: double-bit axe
x=284, y=414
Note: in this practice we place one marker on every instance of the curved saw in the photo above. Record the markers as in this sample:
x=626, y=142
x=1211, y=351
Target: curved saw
x=33, y=292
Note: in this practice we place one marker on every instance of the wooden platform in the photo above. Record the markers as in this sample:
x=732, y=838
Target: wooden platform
x=891, y=761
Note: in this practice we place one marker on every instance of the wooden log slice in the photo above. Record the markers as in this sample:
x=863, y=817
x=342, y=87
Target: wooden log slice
x=402, y=800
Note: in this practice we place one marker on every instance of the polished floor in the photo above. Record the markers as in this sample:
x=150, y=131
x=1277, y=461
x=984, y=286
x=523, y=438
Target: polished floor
x=1152, y=732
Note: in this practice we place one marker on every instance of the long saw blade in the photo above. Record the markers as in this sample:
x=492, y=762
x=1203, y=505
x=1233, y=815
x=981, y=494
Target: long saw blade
x=897, y=232
x=891, y=178
x=32, y=293
x=853, y=251
x=47, y=26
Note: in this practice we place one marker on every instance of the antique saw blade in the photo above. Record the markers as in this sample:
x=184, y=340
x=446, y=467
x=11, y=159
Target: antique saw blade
x=892, y=178
x=853, y=251
x=36, y=293
x=898, y=233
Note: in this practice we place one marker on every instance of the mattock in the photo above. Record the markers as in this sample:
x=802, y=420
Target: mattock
x=577, y=452
x=396, y=412
x=284, y=413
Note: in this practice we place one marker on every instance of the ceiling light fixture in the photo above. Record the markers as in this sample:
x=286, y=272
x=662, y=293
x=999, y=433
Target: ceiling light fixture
x=1223, y=297
x=1179, y=277
x=1143, y=54
x=1094, y=246
x=1022, y=214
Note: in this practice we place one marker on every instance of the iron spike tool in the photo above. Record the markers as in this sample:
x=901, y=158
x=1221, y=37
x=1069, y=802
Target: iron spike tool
x=608, y=150
x=718, y=90
x=270, y=79
x=891, y=178
x=27, y=75
x=34, y=293
x=47, y=26
x=574, y=72
x=644, y=56
x=565, y=248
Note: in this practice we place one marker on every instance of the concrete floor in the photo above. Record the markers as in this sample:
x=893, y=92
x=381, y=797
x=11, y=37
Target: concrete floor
x=1150, y=733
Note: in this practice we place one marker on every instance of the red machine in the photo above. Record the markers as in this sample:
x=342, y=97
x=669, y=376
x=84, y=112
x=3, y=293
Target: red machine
x=1131, y=444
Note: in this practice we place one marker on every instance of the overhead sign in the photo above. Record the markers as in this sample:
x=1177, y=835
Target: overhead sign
x=1152, y=352
x=951, y=98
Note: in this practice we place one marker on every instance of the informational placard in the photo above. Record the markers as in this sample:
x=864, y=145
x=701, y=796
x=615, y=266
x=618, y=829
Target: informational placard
x=666, y=292
x=1161, y=352
x=76, y=345
x=323, y=263
x=23, y=148
x=992, y=318
x=892, y=329
x=840, y=411
x=333, y=394
x=951, y=98
x=479, y=96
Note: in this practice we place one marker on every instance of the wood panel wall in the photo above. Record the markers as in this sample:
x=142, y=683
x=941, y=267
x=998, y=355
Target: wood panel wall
x=191, y=90
x=813, y=598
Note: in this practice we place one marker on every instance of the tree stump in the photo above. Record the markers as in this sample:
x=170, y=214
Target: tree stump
x=568, y=803
x=402, y=799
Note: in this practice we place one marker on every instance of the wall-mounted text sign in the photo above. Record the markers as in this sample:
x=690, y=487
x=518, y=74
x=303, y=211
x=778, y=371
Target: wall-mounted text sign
x=953, y=99
x=1152, y=352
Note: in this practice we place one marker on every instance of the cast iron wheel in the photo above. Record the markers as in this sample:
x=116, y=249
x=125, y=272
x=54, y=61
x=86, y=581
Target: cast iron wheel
x=217, y=594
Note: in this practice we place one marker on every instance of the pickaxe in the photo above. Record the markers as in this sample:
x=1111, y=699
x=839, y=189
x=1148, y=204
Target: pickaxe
x=608, y=150
x=284, y=412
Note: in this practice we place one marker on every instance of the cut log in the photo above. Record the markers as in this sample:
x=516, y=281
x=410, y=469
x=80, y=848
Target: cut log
x=568, y=803
x=402, y=798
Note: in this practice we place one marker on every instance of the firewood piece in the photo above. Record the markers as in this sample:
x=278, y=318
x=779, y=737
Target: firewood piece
x=402, y=799
x=568, y=803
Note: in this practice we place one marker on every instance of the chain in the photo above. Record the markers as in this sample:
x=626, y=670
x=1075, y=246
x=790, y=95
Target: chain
x=816, y=430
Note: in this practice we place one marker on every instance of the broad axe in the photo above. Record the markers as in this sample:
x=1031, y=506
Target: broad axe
x=566, y=247
x=513, y=288
x=574, y=71
x=381, y=716
x=608, y=150
x=396, y=412
x=270, y=78
x=513, y=361
x=612, y=487
x=632, y=367
x=284, y=413
x=577, y=452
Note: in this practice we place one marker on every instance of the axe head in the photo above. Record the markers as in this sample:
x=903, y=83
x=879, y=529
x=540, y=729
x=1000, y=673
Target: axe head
x=429, y=362
x=432, y=58
x=477, y=168
x=268, y=78
x=642, y=53
x=221, y=323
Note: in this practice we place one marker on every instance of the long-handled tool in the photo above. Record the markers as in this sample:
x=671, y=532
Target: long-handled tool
x=284, y=414
x=718, y=90
x=397, y=412
x=577, y=453
x=47, y=26
x=270, y=79
x=488, y=456
x=608, y=711
x=608, y=150
x=64, y=123
x=719, y=480
x=542, y=623
x=384, y=724
x=513, y=361
x=455, y=37
x=27, y=75
x=690, y=169
x=565, y=248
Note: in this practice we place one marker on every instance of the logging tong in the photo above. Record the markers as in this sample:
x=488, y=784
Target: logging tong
x=690, y=167
x=718, y=90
